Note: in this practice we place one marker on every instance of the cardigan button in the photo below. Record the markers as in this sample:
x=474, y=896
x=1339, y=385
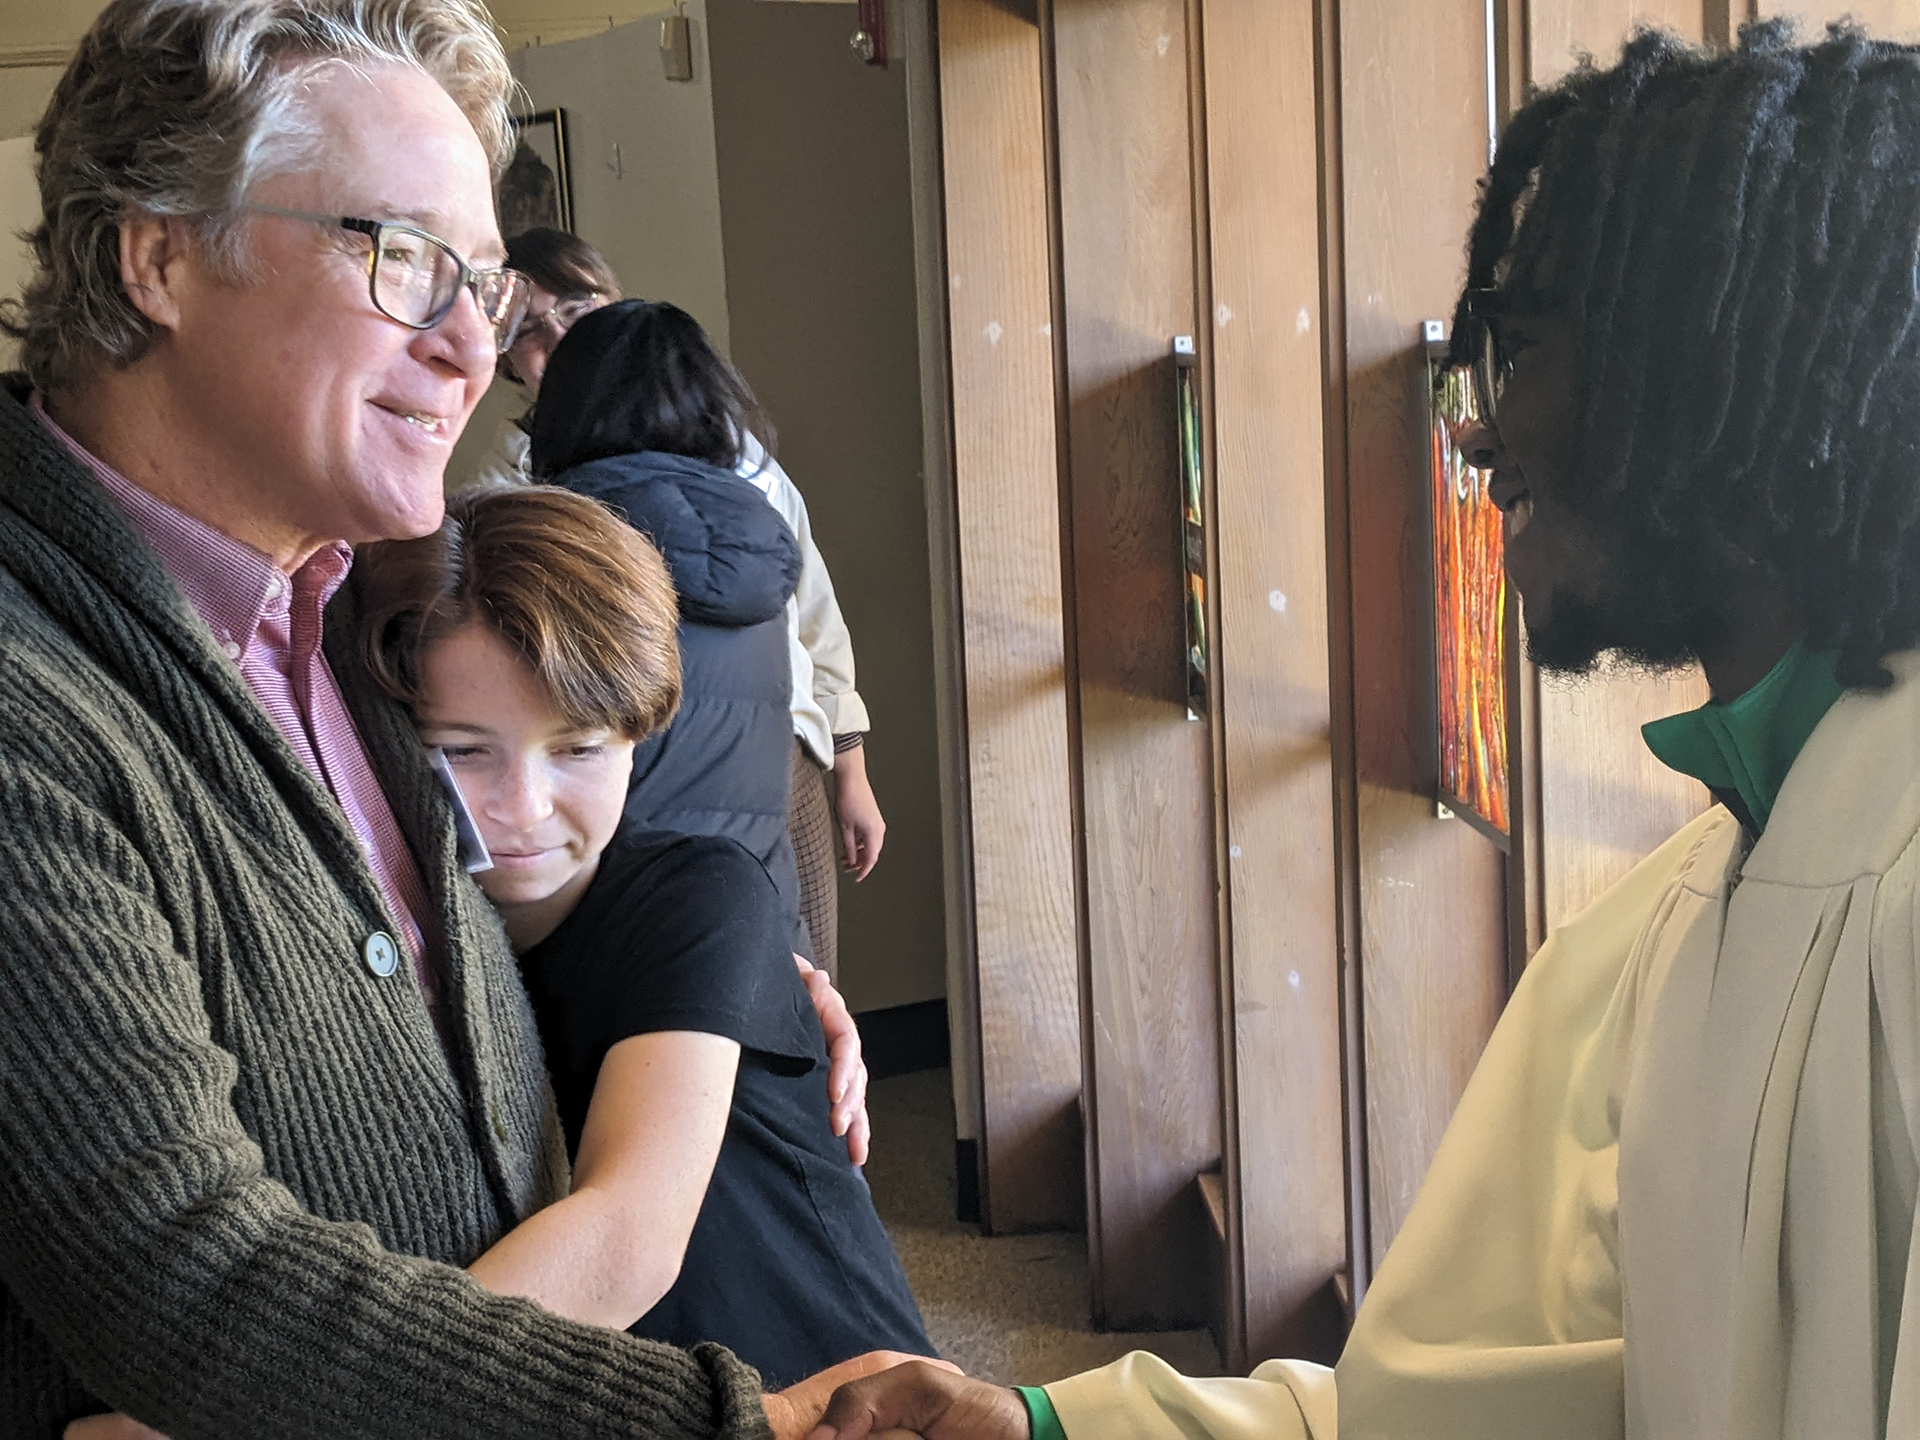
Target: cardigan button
x=381, y=954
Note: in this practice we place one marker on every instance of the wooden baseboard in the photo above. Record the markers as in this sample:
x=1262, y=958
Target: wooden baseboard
x=966, y=1170
x=1213, y=1203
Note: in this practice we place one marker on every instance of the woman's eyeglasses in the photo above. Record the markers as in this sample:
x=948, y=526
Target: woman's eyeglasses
x=550, y=325
x=416, y=278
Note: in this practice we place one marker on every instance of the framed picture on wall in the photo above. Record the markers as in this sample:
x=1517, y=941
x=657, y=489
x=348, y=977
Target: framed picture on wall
x=537, y=190
x=1467, y=544
x=1193, y=526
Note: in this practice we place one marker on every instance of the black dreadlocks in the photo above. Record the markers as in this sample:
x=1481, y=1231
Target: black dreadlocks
x=1735, y=239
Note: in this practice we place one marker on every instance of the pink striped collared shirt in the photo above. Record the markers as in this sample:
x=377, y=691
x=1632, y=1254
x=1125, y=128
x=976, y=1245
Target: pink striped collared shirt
x=268, y=624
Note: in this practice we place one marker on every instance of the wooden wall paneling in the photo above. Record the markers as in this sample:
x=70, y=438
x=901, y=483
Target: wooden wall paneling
x=1526, y=862
x=1510, y=48
x=915, y=37
x=1526, y=910
x=1432, y=922
x=1724, y=18
x=1223, y=1295
x=1285, y=1170
x=1119, y=68
x=1560, y=31
x=1604, y=802
x=1895, y=19
x=1328, y=92
x=999, y=306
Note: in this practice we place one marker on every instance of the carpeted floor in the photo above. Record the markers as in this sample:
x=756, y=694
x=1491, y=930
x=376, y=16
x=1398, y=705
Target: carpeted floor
x=1011, y=1309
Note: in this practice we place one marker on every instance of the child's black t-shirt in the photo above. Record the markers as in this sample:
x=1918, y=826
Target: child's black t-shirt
x=788, y=1265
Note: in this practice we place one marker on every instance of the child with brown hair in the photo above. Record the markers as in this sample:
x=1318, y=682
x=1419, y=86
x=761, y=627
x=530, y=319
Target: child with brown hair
x=533, y=638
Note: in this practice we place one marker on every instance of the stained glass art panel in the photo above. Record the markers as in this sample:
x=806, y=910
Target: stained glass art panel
x=1469, y=609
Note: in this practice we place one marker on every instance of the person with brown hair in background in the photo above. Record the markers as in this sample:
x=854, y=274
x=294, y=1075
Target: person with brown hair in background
x=571, y=279
x=533, y=641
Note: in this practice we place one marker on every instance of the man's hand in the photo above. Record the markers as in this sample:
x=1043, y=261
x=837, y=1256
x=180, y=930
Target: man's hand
x=110, y=1427
x=922, y=1398
x=795, y=1411
x=846, y=1071
x=862, y=828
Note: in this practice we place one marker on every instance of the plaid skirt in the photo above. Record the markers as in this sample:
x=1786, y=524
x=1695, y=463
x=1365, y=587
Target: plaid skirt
x=817, y=852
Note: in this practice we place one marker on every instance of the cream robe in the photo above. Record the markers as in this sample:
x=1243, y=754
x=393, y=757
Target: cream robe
x=1694, y=1127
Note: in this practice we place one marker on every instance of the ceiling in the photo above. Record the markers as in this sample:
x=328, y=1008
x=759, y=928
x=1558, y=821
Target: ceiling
x=40, y=31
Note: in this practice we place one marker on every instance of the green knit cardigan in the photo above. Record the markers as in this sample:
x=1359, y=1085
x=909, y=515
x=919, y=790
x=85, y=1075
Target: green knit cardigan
x=238, y=1169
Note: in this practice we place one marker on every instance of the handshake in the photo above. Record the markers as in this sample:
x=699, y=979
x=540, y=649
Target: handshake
x=886, y=1396
x=878, y=1396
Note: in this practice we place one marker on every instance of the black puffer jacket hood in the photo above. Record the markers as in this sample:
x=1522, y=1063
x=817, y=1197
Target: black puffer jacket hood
x=725, y=764
x=733, y=559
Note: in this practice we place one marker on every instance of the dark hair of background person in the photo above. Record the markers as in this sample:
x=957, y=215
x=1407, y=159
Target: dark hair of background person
x=642, y=375
x=560, y=263
x=576, y=592
x=1732, y=237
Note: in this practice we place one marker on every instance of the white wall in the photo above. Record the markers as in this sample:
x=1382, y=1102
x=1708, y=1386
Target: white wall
x=24, y=92
x=816, y=195
x=653, y=209
x=33, y=36
x=19, y=211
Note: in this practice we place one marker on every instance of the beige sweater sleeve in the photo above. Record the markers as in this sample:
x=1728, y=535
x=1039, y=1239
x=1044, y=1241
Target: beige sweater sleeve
x=825, y=701
x=1141, y=1397
x=1496, y=1314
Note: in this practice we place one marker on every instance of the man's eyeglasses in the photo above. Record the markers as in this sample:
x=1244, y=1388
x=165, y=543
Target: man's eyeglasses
x=416, y=278
x=1486, y=356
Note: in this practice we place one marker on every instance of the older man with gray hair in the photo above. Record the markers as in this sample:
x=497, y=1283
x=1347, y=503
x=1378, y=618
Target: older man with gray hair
x=267, y=1072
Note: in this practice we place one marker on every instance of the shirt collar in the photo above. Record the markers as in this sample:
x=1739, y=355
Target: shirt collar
x=1747, y=745
x=231, y=585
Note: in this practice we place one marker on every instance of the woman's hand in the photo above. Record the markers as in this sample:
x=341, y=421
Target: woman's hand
x=794, y=1412
x=863, y=830
x=110, y=1427
x=846, y=1071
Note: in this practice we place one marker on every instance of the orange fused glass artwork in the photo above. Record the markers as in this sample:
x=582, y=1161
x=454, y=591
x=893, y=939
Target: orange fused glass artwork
x=1469, y=607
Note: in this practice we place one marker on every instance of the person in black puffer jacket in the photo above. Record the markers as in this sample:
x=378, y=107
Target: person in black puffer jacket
x=638, y=410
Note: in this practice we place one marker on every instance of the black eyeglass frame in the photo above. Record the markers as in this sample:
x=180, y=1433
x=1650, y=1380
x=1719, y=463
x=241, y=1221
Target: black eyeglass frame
x=1487, y=358
x=470, y=278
